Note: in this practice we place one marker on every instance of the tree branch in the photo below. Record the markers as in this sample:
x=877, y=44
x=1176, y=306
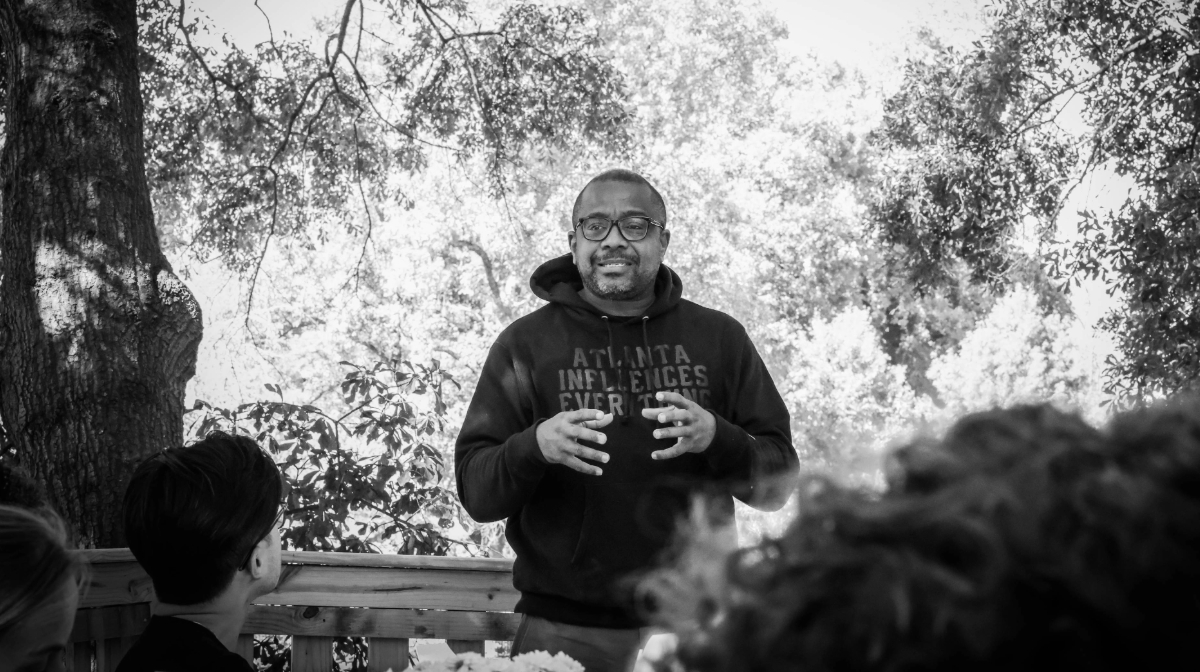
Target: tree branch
x=488, y=272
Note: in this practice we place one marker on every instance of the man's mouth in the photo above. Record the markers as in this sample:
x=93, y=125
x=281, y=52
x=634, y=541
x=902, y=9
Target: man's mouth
x=609, y=263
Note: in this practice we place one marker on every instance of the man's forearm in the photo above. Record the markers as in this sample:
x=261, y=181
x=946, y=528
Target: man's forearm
x=762, y=467
x=495, y=481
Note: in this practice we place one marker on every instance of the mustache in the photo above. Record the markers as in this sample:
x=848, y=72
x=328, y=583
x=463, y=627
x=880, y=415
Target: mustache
x=631, y=258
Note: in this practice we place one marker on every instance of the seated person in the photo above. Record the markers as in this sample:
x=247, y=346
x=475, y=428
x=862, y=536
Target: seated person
x=1025, y=539
x=203, y=521
x=40, y=578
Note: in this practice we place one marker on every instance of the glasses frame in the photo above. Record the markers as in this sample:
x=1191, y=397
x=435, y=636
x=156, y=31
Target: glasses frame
x=617, y=222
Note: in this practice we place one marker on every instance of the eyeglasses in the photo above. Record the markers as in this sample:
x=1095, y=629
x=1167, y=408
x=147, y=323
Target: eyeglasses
x=633, y=227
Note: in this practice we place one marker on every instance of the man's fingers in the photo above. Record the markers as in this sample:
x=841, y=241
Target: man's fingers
x=674, y=399
x=674, y=451
x=672, y=432
x=583, y=415
x=580, y=433
x=582, y=467
x=598, y=424
x=589, y=454
x=652, y=413
x=675, y=415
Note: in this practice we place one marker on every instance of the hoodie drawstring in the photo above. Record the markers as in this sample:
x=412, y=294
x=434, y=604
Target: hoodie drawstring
x=619, y=369
x=618, y=366
x=649, y=355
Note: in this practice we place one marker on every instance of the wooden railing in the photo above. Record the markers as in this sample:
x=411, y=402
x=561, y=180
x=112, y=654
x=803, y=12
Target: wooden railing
x=389, y=599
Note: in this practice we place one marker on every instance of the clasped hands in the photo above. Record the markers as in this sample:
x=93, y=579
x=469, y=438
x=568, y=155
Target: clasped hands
x=687, y=422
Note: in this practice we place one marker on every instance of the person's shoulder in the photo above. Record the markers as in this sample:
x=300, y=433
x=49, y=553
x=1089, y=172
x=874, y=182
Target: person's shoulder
x=176, y=645
x=530, y=324
x=711, y=318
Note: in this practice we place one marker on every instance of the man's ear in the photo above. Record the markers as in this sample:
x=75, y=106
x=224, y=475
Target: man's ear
x=259, y=558
x=571, y=244
x=664, y=238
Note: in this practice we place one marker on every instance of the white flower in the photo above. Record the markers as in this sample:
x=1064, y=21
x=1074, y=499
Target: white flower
x=534, y=661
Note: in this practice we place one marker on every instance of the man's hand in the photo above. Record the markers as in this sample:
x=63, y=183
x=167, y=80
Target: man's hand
x=559, y=439
x=693, y=426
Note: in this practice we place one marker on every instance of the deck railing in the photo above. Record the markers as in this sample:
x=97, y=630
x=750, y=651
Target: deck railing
x=389, y=599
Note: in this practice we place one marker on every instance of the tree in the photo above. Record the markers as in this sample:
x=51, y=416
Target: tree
x=1054, y=92
x=97, y=335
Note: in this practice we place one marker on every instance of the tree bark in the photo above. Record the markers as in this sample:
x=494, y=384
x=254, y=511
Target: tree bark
x=98, y=337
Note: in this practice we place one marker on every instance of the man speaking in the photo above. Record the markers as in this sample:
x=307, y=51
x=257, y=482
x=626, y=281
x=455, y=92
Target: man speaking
x=598, y=416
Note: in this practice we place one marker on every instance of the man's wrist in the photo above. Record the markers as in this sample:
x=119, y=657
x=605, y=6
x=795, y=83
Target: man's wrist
x=524, y=454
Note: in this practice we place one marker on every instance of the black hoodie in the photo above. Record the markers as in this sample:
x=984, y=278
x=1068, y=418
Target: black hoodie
x=580, y=539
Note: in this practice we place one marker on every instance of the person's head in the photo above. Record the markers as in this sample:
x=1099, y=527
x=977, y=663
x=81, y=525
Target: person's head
x=614, y=267
x=204, y=517
x=40, y=578
x=1024, y=539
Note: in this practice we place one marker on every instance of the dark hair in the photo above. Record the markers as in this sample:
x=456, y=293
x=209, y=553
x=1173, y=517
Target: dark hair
x=1024, y=539
x=619, y=175
x=18, y=489
x=193, y=514
x=35, y=560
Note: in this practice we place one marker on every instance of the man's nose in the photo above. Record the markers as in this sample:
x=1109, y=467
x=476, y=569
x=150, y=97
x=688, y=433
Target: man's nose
x=614, y=238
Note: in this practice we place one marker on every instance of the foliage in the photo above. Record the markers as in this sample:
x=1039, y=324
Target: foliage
x=772, y=178
x=1143, y=100
x=1019, y=353
x=964, y=169
x=848, y=400
x=367, y=479
x=998, y=135
x=252, y=145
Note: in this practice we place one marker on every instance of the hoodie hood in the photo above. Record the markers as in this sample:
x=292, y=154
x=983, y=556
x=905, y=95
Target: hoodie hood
x=558, y=281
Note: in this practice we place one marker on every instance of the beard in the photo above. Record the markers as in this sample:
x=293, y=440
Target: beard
x=638, y=286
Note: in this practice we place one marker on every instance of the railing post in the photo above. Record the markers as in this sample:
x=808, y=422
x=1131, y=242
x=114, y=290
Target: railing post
x=79, y=657
x=386, y=653
x=312, y=654
x=245, y=647
x=466, y=646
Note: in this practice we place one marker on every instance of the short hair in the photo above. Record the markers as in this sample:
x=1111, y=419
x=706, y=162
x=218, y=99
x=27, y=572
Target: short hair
x=194, y=513
x=619, y=175
x=36, y=559
x=1024, y=539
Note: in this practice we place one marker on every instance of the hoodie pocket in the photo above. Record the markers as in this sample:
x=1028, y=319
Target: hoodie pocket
x=626, y=525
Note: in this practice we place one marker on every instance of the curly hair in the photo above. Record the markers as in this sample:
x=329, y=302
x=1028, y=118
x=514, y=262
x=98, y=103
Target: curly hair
x=1023, y=539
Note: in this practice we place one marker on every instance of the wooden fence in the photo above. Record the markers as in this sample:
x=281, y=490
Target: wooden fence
x=389, y=599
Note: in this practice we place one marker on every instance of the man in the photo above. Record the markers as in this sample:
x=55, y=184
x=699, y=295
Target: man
x=203, y=521
x=599, y=416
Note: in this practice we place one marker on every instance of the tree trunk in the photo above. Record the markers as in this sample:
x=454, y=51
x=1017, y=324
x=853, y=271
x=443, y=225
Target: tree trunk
x=98, y=336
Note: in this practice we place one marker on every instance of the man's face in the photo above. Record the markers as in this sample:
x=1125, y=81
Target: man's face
x=274, y=565
x=616, y=269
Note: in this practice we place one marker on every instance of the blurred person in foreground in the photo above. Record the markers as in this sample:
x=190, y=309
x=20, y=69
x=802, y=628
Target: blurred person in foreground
x=1025, y=539
x=203, y=521
x=40, y=580
x=600, y=414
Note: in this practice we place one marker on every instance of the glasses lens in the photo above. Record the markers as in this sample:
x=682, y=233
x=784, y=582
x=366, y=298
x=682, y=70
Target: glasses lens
x=635, y=228
x=595, y=228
